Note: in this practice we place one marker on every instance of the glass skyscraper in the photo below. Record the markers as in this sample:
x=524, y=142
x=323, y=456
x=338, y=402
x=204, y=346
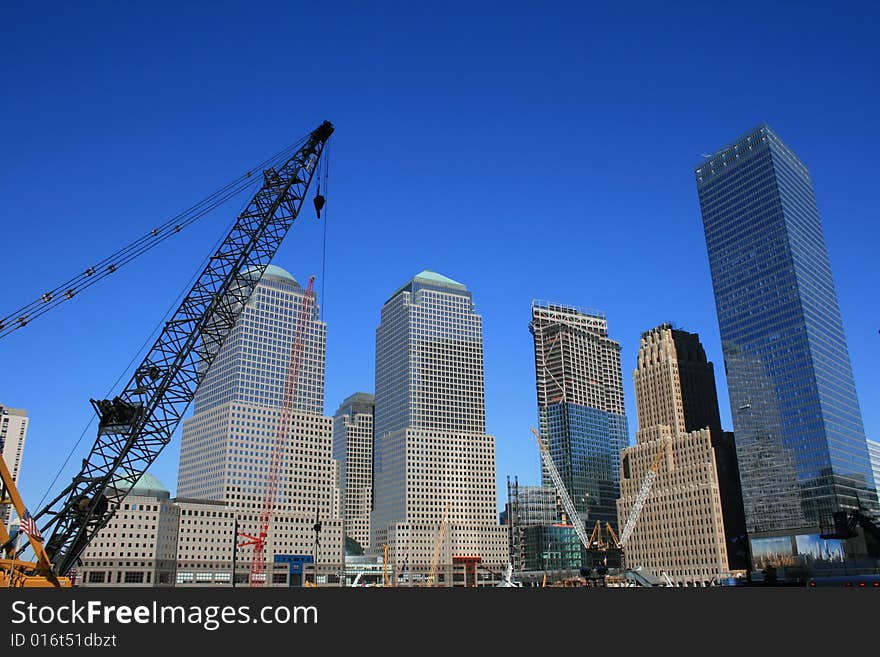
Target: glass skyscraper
x=580, y=405
x=800, y=439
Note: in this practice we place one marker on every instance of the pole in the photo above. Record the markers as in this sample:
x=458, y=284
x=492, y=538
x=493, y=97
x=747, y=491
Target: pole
x=14, y=550
x=317, y=532
x=234, y=549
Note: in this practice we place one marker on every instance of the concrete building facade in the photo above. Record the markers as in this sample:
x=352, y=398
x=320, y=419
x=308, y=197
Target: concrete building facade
x=434, y=470
x=138, y=546
x=353, y=450
x=681, y=528
x=13, y=432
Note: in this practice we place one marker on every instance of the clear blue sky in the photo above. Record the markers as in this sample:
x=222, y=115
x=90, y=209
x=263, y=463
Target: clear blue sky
x=527, y=150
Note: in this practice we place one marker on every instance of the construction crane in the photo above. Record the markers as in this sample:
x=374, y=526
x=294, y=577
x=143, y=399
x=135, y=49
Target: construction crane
x=606, y=542
x=636, y=511
x=135, y=425
x=438, y=543
x=573, y=516
x=282, y=435
x=20, y=573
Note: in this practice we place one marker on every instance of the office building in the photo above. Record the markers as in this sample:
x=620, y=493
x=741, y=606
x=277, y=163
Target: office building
x=681, y=529
x=434, y=471
x=353, y=450
x=13, y=431
x=799, y=432
x=580, y=405
x=227, y=444
x=138, y=546
x=874, y=453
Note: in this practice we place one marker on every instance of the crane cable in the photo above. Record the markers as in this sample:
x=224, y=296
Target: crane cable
x=325, y=163
x=109, y=265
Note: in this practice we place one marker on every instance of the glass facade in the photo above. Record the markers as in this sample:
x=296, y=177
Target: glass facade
x=874, y=453
x=551, y=547
x=799, y=433
x=585, y=443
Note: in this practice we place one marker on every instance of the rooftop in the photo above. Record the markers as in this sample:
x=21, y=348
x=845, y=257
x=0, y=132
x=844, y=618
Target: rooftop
x=428, y=277
x=275, y=273
x=149, y=486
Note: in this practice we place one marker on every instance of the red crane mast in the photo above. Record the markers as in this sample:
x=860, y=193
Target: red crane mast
x=282, y=434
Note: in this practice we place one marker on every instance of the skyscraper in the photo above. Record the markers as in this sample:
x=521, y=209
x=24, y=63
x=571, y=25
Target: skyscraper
x=874, y=453
x=799, y=432
x=580, y=405
x=13, y=431
x=227, y=444
x=682, y=527
x=433, y=459
x=675, y=387
x=353, y=450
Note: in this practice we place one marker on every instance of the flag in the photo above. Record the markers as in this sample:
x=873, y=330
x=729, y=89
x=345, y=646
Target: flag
x=29, y=526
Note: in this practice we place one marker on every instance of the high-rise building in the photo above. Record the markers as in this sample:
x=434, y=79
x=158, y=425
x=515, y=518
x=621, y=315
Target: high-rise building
x=874, y=453
x=580, y=405
x=13, y=431
x=433, y=459
x=675, y=387
x=353, y=450
x=227, y=444
x=799, y=432
x=681, y=529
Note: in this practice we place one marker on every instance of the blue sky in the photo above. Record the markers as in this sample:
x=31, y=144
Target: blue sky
x=529, y=151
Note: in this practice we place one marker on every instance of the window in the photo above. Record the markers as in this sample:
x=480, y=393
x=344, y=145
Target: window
x=134, y=577
x=96, y=577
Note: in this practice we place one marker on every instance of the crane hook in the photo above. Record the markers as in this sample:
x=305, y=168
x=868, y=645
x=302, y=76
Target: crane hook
x=319, y=202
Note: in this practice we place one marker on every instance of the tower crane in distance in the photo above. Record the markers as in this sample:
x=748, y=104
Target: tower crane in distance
x=135, y=425
x=591, y=542
x=642, y=497
x=438, y=544
x=282, y=435
x=567, y=504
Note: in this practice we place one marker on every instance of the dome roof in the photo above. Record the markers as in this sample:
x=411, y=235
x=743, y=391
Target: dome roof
x=149, y=486
x=428, y=277
x=275, y=273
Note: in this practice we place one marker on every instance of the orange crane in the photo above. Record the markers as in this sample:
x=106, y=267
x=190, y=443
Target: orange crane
x=438, y=543
x=16, y=572
x=282, y=434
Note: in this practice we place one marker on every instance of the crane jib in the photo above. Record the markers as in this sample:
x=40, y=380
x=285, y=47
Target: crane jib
x=136, y=424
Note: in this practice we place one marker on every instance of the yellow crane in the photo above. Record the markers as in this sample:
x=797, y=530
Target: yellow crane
x=15, y=572
x=438, y=543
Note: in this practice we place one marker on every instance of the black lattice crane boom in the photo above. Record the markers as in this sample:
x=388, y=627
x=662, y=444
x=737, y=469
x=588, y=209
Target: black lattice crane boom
x=136, y=424
x=282, y=437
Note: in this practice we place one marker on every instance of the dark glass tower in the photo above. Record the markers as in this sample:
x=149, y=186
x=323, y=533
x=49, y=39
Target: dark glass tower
x=580, y=405
x=799, y=433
